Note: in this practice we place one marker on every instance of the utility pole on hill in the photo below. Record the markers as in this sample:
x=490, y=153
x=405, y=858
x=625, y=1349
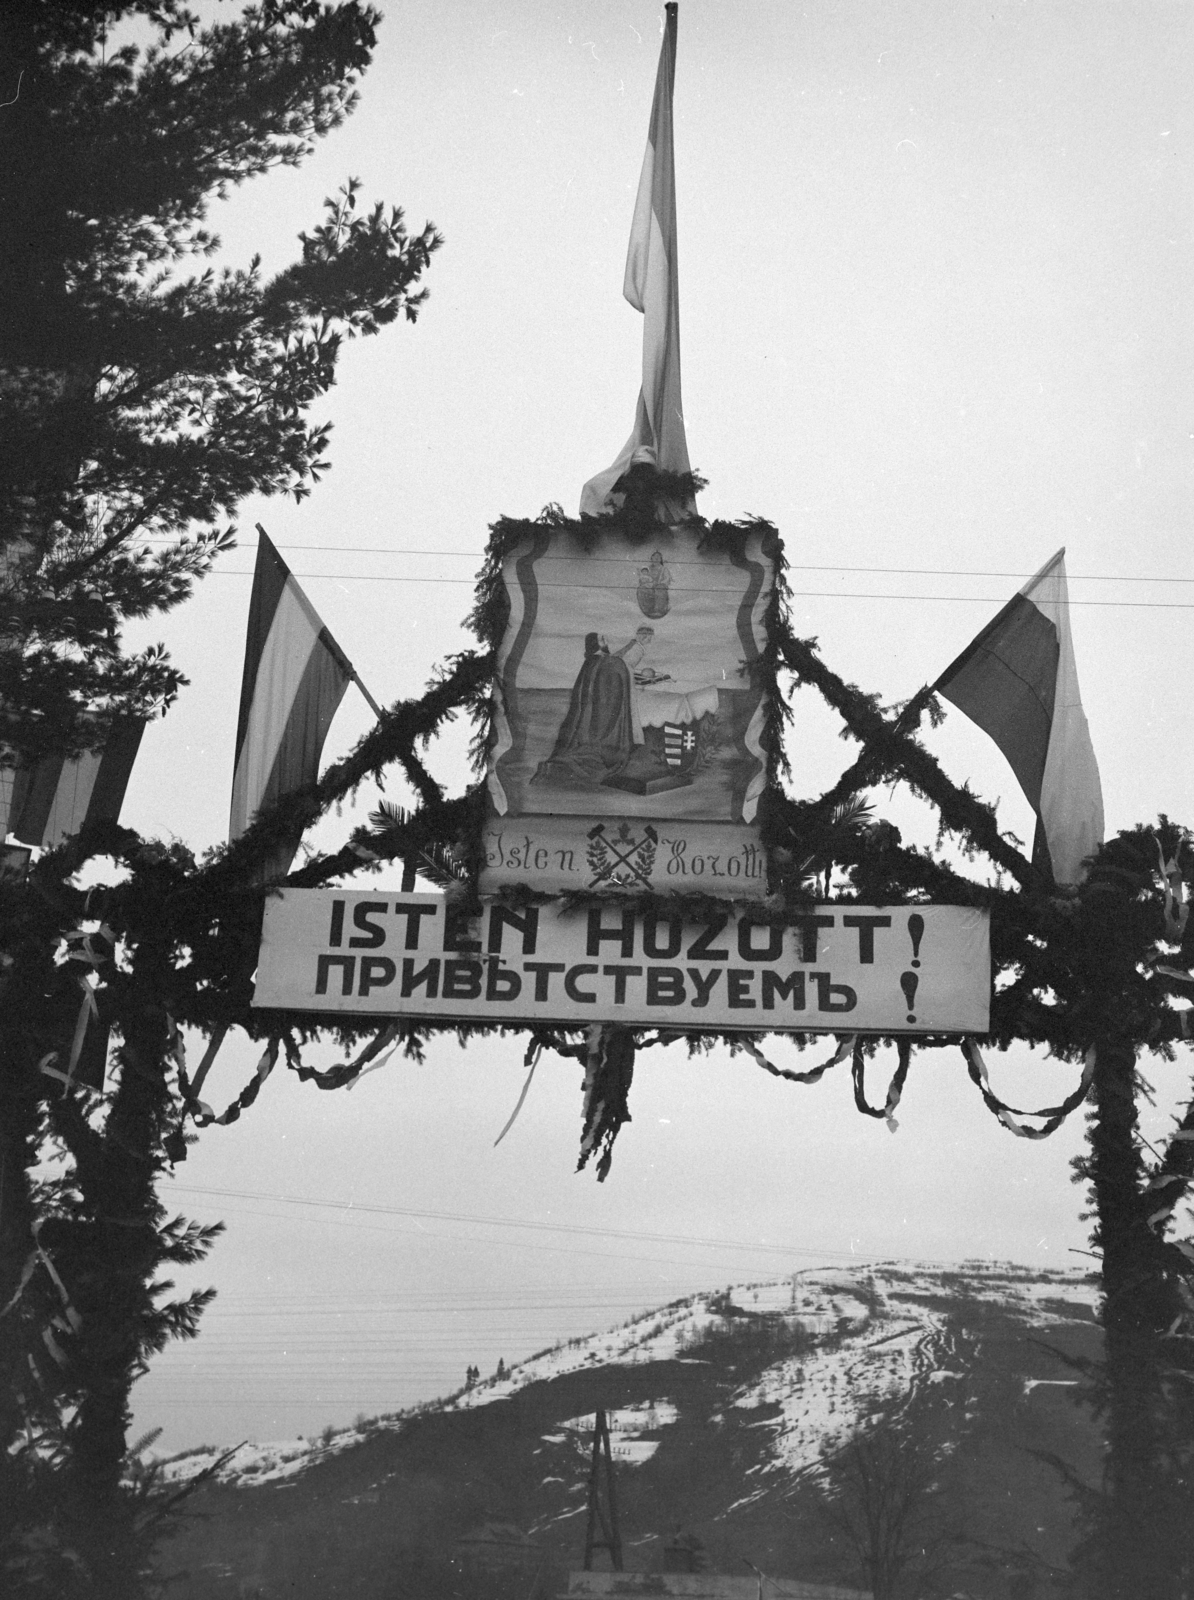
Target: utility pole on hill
x=602, y=1517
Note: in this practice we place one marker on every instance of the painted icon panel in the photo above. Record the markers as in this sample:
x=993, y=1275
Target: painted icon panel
x=629, y=702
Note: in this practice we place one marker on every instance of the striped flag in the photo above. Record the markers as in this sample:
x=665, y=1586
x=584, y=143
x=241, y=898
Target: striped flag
x=294, y=679
x=49, y=801
x=651, y=285
x=1019, y=682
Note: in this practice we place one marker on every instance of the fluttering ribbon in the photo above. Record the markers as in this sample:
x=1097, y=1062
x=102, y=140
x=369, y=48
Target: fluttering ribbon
x=895, y=1088
x=85, y=951
x=1177, y=907
x=605, y=1107
x=390, y=1035
x=27, y=1272
x=72, y=1316
x=176, y=1143
x=1169, y=1185
x=531, y=1061
x=203, y=1114
x=608, y=1054
x=68, y=1321
x=191, y=1090
x=44, y=1066
x=845, y=1045
x=347, y=1073
x=1053, y=1116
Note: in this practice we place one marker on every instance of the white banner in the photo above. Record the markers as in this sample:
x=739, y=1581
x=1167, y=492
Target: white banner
x=832, y=969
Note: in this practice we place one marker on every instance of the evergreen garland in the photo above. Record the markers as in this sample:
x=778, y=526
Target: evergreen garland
x=1094, y=975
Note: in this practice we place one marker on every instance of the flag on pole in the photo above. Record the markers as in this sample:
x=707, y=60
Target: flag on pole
x=48, y=801
x=294, y=679
x=651, y=284
x=1019, y=682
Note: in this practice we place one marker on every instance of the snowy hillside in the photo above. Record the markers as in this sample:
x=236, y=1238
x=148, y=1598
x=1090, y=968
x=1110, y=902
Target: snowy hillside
x=877, y=1335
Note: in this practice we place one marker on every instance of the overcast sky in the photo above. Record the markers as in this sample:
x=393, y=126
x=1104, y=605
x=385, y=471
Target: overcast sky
x=935, y=269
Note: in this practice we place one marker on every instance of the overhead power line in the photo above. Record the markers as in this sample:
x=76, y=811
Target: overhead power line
x=792, y=566
x=803, y=594
x=637, y=1234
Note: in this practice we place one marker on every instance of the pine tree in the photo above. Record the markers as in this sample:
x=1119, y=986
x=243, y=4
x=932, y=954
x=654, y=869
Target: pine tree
x=143, y=394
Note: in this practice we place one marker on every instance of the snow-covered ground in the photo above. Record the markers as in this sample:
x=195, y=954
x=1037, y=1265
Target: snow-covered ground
x=255, y=1464
x=879, y=1333
x=883, y=1355
x=626, y=1427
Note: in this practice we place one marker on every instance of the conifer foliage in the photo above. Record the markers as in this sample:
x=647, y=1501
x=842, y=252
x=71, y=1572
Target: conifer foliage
x=143, y=392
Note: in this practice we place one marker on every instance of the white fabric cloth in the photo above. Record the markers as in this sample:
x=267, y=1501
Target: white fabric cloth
x=1071, y=791
x=657, y=706
x=651, y=284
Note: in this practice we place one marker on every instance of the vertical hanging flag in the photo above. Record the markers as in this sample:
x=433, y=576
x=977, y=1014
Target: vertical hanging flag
x=47, y=802
x=1019, y=682
x=295, y=677
x=651, y=285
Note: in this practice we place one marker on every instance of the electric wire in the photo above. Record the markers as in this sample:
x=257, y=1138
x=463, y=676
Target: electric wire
x=792, y=566
x=573, y=1229
x=802, y=594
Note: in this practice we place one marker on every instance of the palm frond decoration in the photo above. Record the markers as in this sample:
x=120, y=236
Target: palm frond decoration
x=389, y=826
x=847, y=820
x=851, y=814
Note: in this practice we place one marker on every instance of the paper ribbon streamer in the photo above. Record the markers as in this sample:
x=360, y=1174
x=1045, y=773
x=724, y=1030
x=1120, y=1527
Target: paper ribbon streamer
x=87, y=1010
x=609, y=1071
x=26, y=1273
x=392, y=1031
x=72, y=1316
x=1162, y=1179
x=190, y=1088
x=1177, y=908
x=51, y=1072
x=535, y=1049
x=845, y=1045
x=531, y=1060
x=175, y=1048
x=203, y=1114
x=1174, y=972
x=54, y=1347
x=1176, y=1182
x=87, y=953
x=348, y=1071
x=1054, y=1115
x=894, y=1090
x=70, y=1322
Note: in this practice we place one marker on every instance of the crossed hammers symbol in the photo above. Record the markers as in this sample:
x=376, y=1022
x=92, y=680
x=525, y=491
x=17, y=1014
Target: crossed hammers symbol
x=624, y=856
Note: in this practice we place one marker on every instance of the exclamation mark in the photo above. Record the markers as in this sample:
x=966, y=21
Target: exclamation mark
x=908, y=983
x=908, y=980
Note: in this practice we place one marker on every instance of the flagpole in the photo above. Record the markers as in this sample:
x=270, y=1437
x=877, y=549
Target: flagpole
x=373, y=705
x=353, y=674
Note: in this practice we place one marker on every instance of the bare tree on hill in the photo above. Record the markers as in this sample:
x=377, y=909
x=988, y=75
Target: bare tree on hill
x=883, y=1491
